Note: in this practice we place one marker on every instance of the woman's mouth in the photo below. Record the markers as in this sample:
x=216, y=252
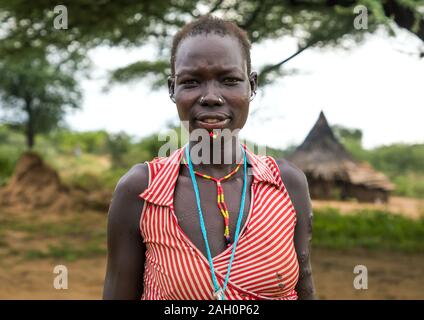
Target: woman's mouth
x=213, y=123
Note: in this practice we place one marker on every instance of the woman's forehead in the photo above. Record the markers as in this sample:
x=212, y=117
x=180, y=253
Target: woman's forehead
x=209, y=51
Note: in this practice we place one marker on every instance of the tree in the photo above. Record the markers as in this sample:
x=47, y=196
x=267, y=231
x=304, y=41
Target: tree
x=38, y=62
x=314, y=23
x=345, y=134
x=118, y=145
x=351, y=139
x=35, y=94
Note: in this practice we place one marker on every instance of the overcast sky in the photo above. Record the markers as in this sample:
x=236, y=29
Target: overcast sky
x=377, y=87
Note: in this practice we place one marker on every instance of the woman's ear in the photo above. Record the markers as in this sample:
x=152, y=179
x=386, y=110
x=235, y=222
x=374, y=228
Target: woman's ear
x=171, y=86
x=253, y=80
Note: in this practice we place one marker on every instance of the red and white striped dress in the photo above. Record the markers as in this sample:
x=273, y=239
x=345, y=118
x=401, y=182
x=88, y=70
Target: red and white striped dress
x=265, y=264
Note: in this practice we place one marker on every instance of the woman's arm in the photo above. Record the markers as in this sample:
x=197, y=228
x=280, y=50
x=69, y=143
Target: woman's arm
x=297, y=186
x=126, y=250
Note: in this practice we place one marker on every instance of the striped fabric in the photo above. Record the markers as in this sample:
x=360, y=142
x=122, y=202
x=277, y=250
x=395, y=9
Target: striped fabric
x=220, y=198
x=265, y=264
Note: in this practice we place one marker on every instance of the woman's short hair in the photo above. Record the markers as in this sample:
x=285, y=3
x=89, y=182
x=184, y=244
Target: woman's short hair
x=209, y=24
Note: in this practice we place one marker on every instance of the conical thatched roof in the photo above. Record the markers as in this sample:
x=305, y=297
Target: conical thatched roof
x=322, y=156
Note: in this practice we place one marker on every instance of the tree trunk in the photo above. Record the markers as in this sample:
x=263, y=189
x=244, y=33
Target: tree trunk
x=29, y=130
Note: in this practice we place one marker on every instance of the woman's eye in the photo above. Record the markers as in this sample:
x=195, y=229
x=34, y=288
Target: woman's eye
x=190, y=82
x=231, y=81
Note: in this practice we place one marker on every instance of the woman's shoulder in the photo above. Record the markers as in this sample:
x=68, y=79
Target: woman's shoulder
x=290, y=173
x=137, y=179
x=125, y=207
x=134, y=181
x=292, y=176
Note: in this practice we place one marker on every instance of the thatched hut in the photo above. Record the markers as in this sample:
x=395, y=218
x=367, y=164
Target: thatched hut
x=333, y=173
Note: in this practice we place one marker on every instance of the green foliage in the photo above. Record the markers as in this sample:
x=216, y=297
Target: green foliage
x=118, y=145
x=35, y=94
x=276, y=153
x=398, y=158
x=70, y=228
x=402, y=163
x=74, y=237
x=410, y=184
x=11, y=147
x=66, y=141
x=89, y=24
x=313, y=23
x=343, y=134
x=136, y=23
x=151, y=144
x=157, y=70
x=369, y=229
x=352, y=141
x=104, y=157
x=107, y=180
x=67, y=251
x=86, y=181
x=9, y=155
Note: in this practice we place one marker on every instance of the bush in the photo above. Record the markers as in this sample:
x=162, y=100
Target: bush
x=11, y=147
x=398, y=158
x=94, y=182
x=66, y=141
x=368, y=229
x=118, y=145
x=409, y=185
x=9, y=155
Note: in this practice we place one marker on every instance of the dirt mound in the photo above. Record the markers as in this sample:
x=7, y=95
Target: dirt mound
x=35, y=185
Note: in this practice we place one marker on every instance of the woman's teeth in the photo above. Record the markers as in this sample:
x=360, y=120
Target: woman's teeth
x=211, y=120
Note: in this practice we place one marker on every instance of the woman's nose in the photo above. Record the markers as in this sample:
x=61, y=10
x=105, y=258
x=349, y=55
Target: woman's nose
x=211, y=99
x=211, y=95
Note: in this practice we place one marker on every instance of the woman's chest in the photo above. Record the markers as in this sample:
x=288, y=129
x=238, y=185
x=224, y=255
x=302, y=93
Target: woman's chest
x=187, y=213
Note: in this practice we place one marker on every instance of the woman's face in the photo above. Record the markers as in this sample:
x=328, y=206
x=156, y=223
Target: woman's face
x=211, y=87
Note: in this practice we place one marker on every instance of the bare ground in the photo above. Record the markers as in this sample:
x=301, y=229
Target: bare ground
x=390, y=276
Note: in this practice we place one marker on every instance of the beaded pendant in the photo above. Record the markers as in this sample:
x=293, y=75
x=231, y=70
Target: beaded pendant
x=213, y=135
x=218, y=294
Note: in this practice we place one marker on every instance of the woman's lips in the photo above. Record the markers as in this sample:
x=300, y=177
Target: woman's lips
x=210, y=124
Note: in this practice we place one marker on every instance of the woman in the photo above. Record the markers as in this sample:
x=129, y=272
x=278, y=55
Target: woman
x=169, y=235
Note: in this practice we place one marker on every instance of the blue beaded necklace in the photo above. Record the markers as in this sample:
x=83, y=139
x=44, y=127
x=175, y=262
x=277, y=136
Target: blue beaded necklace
x=219, y=293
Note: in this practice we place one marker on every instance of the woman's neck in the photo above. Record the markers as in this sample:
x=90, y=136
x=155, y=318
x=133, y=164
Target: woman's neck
x=215, y=157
